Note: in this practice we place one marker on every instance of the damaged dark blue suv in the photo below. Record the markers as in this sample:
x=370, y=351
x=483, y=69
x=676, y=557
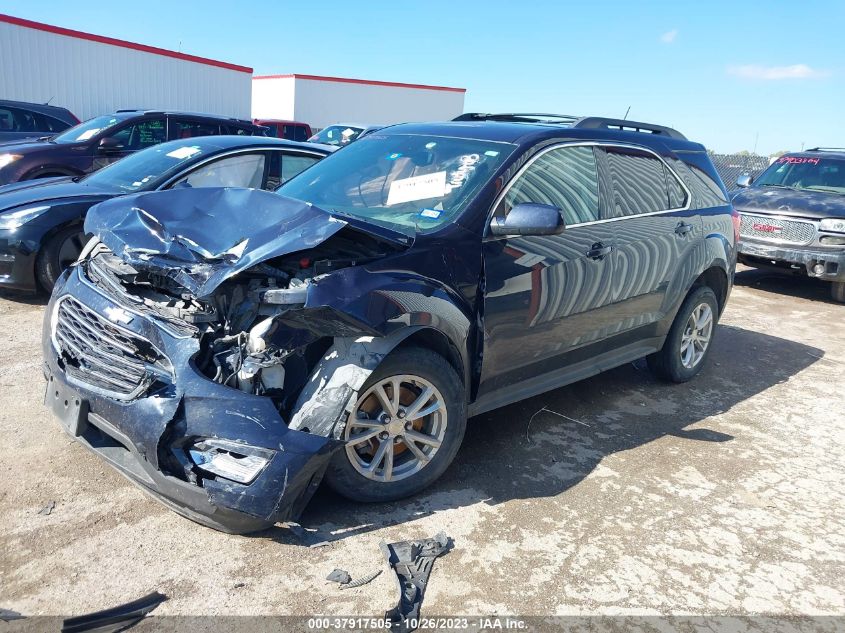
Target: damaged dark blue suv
x=227, y=349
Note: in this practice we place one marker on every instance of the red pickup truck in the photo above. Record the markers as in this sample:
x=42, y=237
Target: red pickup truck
x=291, y=130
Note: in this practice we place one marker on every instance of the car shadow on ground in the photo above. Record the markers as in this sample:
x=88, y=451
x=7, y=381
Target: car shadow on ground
x=784, y=283
x=528, y=450
x=25, y=298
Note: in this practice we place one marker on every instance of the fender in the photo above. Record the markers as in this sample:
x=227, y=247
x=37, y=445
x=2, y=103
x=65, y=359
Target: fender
x=369, y=314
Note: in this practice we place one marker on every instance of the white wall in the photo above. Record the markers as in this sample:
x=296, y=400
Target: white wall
x=321, y=102
x=91, y=78
x=274, y=98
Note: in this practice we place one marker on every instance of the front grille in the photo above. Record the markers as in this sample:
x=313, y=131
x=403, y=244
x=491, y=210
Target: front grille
x=98, y=354
x=777, y=229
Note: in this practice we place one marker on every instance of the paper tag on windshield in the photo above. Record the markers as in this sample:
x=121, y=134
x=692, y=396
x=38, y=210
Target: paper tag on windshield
x=183, y=152
x=87, y=134
x=417, y=188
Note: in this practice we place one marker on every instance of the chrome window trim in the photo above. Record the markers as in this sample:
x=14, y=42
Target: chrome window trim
x=244, y=150
x=598, y=144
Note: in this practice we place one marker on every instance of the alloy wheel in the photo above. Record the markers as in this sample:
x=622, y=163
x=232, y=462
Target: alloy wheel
x=397, y=427
x=696, y=337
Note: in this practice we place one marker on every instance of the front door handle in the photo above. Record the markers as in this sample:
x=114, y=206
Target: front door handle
x=599, y=251
x=683, y=229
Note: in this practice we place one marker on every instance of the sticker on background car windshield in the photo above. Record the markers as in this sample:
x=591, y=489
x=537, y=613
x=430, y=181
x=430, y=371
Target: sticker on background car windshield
x=799, y=160
x=394, y=156
x=430, y=213
x=491, y=153
x=184, y=152
x=417, y=188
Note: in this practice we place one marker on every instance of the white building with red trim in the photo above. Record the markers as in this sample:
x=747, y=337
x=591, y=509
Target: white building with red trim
x=321, y=101
x=92, y=74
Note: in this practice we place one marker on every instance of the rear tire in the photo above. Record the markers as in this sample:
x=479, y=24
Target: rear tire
x=690, y=338
x=416, y=372
x=57, y=253
x=837, y=291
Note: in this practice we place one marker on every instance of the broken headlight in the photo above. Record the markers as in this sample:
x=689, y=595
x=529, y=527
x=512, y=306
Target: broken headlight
x=236, y=462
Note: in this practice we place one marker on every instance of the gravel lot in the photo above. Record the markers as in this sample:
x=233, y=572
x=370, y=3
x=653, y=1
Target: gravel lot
x=722, y=496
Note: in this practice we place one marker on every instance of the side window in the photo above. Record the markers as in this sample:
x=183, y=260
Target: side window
x=677, y=195
x=142, y=135
x=49, y=124
x=292, y=165
x=639, y=184
x=15, y=120
x=566, y=178
x=241, y=170
x=300, y=133
x=190, y=129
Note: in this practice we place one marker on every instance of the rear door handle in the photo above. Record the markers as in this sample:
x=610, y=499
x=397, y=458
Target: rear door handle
x=599, y=251
x=683, y=229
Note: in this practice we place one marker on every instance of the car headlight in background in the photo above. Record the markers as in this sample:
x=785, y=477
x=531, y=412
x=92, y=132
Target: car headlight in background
x=834, y=225
x=14, y=219
x=236, y=462
x=7, y=159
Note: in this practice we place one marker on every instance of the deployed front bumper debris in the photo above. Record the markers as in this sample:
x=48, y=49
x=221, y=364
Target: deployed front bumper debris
x=412, y=561
x=116, y=618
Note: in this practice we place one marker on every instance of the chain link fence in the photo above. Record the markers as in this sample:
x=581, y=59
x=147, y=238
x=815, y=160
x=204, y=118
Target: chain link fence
x=731, y=166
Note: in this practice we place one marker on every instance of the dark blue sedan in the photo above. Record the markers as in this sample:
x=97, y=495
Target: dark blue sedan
x=41, y=221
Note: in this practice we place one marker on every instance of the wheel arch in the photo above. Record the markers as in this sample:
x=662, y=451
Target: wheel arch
x=438, y=342
x=716, y=278
x=43, y=170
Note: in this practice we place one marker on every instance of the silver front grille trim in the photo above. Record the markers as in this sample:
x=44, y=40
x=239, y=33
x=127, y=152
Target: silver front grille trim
x=784, y=230
x=100, y=356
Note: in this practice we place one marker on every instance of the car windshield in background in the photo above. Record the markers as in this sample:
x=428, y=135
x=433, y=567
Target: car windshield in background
x=407, y=182
x=143, y=170
x=805, y=172
x=87, y=130
x=336, y=135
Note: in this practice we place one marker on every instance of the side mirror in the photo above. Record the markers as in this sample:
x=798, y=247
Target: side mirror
x=529, y=219
x=744, y=180
x=109, y=144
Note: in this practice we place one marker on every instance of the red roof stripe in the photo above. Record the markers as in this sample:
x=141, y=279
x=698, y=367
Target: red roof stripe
x=57, y=30
x=367, y=82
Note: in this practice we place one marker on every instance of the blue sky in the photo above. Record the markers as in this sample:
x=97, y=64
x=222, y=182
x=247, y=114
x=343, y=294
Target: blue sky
x=728, y=74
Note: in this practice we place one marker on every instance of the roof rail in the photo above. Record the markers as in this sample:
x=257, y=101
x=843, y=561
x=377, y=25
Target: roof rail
x=518, y=117
x=602, y=123
x=825, y=149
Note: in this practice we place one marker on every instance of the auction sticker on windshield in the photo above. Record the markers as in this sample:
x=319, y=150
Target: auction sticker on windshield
x=417, y=188
x=184, y=152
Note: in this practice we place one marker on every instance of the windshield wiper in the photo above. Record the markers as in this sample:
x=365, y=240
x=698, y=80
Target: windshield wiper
x=778, y=186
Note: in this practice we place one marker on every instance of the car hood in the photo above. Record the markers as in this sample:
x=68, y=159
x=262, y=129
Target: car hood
x=24, y=145
x=201, y=237
x=48, y=190
x=778, y=201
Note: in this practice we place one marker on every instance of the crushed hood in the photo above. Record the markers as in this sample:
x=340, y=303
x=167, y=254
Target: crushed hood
x=201, y=237
x=800, y=203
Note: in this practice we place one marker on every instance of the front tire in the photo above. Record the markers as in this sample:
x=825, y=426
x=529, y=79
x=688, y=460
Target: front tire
x=57, y=253
x=837, y=291
x=690, y=338
x=405, y=429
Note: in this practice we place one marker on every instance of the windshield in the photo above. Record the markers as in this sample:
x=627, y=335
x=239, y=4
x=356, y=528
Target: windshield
x=88, y=129
x=805, y=172
x=143, y=170
x=337, y=135
x=407, y=182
